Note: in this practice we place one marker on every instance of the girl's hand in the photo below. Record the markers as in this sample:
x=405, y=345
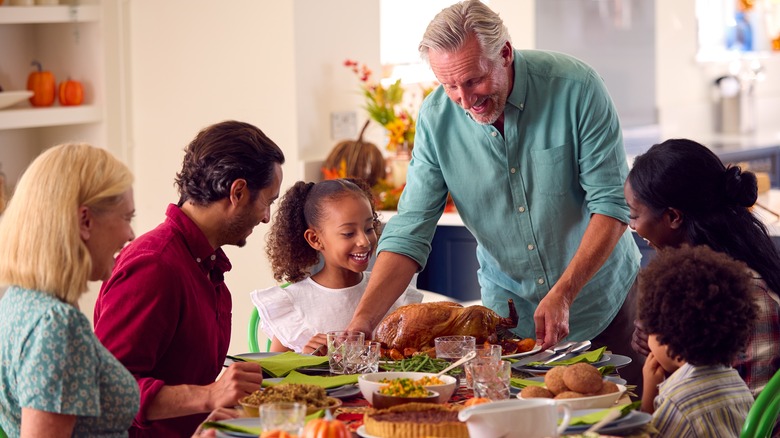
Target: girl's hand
x=639, y=339
x=317, y=345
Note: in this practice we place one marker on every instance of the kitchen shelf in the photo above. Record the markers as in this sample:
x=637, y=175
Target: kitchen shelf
x=48, y=14
x=52, y=116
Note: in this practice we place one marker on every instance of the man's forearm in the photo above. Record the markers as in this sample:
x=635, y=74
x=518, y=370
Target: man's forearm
x=178, y=401
x=390, y=276
x=601, y=236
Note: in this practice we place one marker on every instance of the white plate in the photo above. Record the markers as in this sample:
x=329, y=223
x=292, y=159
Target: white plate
x=255, y=356
x=630, y=421
x=605, y=360
x=241, y=422
x=527, y=353
x=362, y=432
x=8, y=98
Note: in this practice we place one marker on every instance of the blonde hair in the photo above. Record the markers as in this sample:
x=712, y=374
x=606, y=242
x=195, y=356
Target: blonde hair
x=40, y=243
x=454, y=25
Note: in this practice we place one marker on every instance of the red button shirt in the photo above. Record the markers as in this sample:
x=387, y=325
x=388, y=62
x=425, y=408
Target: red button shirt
x=165, y=313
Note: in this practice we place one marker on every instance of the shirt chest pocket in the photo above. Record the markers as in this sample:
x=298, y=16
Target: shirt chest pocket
x=553, y=169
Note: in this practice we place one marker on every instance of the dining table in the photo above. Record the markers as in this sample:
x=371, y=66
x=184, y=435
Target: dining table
x=353, y=405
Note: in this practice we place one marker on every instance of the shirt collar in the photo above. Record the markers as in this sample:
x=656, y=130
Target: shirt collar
x=520, y=85
x=207, y=257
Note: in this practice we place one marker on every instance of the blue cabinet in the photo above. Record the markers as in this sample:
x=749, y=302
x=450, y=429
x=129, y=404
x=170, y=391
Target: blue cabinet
x=452, y=266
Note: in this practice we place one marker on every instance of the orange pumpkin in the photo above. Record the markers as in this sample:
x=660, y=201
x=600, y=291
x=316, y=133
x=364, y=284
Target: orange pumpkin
x=324, y=428
x=43, y=86
x=276, y=433
x=71, y=93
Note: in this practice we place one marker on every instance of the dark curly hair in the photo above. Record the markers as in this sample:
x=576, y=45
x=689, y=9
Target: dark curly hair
x=698, y=302
x=714, y=201
x=221, y=154
x=303, y=207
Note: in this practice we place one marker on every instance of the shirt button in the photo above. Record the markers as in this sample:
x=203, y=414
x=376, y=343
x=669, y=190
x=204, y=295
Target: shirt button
x=540, y=281
x=513, y=170
x=521, y=209
x=197, y=259
x=213, y=257
x=530, y=247
x=494, y=133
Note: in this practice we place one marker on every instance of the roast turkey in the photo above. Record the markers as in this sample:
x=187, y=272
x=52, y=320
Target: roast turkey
x=415, y=326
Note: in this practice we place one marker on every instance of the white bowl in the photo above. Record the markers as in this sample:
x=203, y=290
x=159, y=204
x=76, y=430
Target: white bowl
x=592, y=402
x=8, y=98
x=368, y=383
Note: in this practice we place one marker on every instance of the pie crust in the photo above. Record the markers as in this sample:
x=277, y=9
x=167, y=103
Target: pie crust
x=414, y=420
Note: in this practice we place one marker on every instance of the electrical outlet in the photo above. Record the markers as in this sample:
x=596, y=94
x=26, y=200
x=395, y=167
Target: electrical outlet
x=343, y=125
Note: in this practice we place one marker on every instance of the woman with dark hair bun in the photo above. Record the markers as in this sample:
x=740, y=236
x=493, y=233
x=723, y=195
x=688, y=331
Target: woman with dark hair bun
x=679, y=192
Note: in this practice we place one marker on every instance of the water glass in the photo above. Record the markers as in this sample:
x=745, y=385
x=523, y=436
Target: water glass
x=287, y=416
x=452, y=348
x=362, y=358
x=486, y=353
x=491, y=379
x=338, y=344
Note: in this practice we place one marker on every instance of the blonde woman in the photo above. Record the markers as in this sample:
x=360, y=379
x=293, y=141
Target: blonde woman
x=70, y=214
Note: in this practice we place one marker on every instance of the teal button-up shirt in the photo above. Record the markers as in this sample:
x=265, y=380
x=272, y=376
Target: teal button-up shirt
x=526, y=196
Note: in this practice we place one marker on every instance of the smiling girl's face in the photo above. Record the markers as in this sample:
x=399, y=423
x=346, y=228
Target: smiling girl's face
x=346, y=237
x=659, y=231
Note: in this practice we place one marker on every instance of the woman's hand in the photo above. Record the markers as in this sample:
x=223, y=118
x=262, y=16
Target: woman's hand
x=639, y=339
x=317, y=345
x=218, y=414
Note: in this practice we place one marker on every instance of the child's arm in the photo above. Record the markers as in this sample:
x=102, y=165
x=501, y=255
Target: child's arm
x=276, y=345
x=652, y=376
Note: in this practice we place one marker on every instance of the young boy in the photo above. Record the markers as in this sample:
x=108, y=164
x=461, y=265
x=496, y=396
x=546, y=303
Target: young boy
x=697, y=308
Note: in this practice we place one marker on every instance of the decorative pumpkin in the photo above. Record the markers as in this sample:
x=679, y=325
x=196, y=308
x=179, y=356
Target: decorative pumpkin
x=326, y=428
x=358, y=159
x=277, y=433
x=43, y=86
x=71, y=93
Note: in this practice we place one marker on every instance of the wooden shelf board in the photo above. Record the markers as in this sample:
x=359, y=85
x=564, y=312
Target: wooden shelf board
x=52, y=116
x=48, y=14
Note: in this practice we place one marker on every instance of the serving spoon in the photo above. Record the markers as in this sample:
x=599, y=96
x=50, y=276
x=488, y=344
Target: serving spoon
x=470, y=355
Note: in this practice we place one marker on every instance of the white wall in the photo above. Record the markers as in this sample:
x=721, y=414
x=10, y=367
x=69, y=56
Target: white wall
x=276, y=65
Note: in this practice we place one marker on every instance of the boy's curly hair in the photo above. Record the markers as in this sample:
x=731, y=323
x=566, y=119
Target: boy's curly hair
x=304, y=206
x=699, y=303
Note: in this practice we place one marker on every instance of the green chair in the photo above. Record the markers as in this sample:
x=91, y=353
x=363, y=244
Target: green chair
x=254, y=324
x=763, y=415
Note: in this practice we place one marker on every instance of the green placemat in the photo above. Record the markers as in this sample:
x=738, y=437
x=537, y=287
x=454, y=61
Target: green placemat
x=281, y=364
x=522, y=383
x=226, y=427
x=595, y=417
x=588, y=357
x=324, y=381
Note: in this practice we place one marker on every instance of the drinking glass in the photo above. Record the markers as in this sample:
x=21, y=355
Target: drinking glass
x=491, y=379
x=452, y=348
x=362, y=358
x=338, y=343
x=287, y=416
x=486, y=353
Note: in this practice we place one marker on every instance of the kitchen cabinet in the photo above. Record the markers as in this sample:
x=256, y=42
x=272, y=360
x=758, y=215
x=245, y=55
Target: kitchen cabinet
x=82, y=42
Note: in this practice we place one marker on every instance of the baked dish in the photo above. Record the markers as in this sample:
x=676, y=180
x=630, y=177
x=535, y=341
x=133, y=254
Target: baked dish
x=413, y=420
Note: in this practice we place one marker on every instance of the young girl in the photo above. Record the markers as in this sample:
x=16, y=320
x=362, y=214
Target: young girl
x=679, y=192
x=334, y=220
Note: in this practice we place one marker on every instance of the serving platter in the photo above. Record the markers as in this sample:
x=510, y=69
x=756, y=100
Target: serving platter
x=536, y=349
